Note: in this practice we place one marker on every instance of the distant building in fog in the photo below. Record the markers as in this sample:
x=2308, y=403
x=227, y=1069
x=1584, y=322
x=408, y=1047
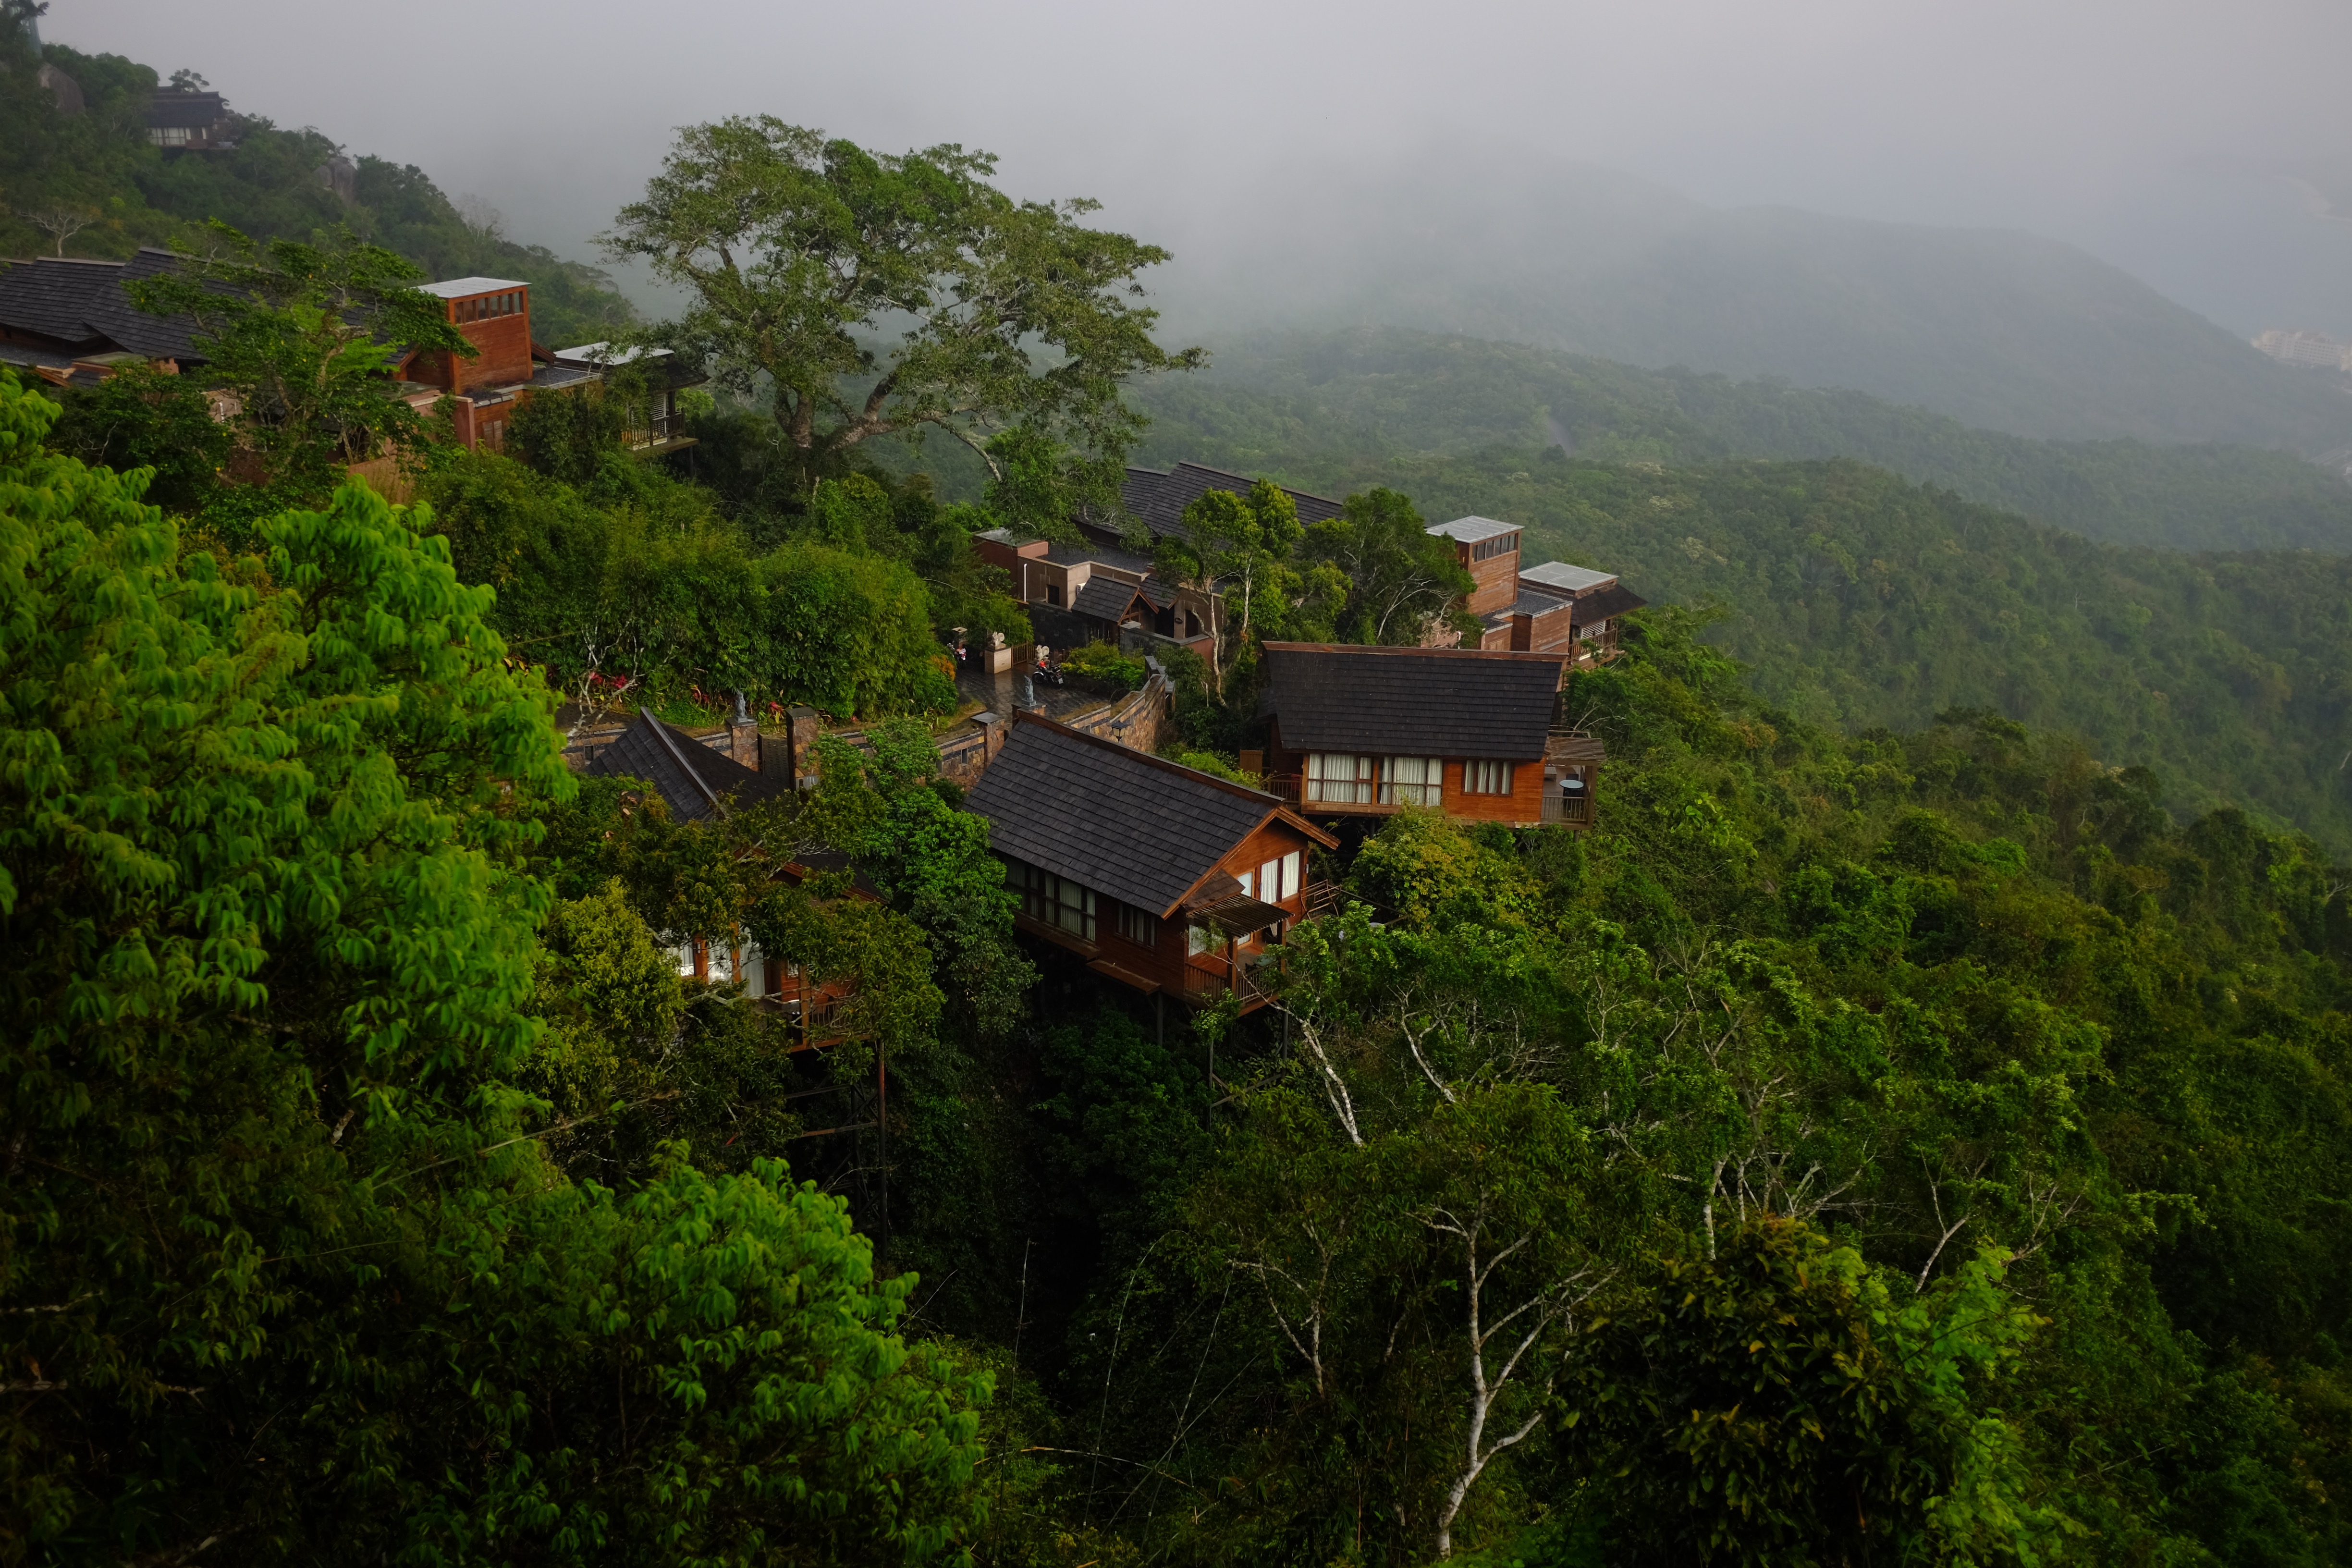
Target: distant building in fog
x=2304, y=348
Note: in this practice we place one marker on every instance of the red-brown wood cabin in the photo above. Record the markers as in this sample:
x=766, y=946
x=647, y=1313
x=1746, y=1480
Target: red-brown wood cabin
x=1162, y=878
x=493, y=315
x=696, y=782
x=1476, y=734
x=1555, y=607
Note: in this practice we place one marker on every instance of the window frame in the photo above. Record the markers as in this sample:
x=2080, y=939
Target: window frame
x=1362, y=787
x=1428, y=790
x=1485, y=776
x=1058, y=902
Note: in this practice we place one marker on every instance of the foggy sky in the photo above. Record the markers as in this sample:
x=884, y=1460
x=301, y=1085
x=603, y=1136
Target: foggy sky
x=2206, y=147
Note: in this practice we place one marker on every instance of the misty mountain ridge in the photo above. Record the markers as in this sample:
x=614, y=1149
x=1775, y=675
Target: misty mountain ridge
x=1348, y=402
x=2002, y=330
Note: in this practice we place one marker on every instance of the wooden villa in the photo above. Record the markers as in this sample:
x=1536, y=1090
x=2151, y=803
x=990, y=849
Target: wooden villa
x=1168, y=879
x=696, y=780
x=1476, y=733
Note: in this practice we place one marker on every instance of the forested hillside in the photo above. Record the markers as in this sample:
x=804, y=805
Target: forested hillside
x=1932, y=1113
x=1862, y=601
x=97, y=171
x=1894, y=1133
x=1343, y=396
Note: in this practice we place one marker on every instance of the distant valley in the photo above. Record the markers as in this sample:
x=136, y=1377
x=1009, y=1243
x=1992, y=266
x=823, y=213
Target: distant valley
x=2002, y=330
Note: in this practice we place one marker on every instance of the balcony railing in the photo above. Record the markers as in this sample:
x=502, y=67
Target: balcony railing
x=1573, y=810
x=662, y=429
x=1207, y=978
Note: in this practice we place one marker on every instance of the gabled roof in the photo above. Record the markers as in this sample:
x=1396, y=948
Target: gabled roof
x=83, y=302
x=1410, y=701
x=190, y=109
x=1471, y=529
x=1109, y=599
x=1159, y=498
x=1132, y=826
x=1564, y=578
x=1614, y=600
x=690, y=776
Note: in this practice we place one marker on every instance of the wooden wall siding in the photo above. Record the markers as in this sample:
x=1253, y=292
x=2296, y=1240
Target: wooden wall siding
x=1549, y=632
x=1498, y=580
x=1522, y=804
x=502, y=351
x=1522, y=808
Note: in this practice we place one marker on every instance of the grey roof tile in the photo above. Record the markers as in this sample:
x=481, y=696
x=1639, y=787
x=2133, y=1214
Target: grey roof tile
x=690, y=777
x=1109, y=599
x=1130, y=826
x=1416, y=701
x=1614, y=600
x=1160, y=498
x=83, y=304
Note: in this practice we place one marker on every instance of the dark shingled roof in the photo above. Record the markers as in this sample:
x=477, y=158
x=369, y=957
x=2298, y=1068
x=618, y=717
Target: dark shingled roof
x=1110, y=555
x=1130, y=826
x=1109, y=598
x=1615, y=600
x=1160, y=498
x=83, y=304
x=691, y=777
x=1410, y=701
x=189, y=108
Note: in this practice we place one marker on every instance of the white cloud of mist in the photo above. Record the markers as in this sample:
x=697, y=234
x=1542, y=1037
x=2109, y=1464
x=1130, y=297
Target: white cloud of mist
x=2162, y=134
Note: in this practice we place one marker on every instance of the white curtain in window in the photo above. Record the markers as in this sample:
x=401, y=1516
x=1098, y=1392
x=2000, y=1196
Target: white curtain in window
x=1486, y=778
x=1290, y=875
x=1339, y=778
x=1412, y=781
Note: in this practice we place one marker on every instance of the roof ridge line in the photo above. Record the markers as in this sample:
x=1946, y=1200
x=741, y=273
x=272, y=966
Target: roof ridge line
x=1022, y=716
x=1504, y=653
x=1258, y=478
x=678, y=756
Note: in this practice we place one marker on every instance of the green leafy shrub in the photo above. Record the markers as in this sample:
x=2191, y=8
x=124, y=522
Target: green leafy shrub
x=1104, y=661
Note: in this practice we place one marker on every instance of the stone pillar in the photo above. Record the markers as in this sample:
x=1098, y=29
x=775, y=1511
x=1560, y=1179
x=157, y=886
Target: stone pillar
x=802, y=727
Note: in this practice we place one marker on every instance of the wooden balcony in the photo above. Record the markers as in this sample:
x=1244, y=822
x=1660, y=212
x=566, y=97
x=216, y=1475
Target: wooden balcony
x=1291, y=789
x=1207, y=978
x=666, y=433
x=1567, y=810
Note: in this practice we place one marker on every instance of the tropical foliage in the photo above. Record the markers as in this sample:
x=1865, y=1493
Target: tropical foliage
x=289, y=1271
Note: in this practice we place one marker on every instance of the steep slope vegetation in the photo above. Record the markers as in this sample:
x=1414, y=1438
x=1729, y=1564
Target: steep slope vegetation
x=1860, y=601
x=1339, y=395
x=98, y=165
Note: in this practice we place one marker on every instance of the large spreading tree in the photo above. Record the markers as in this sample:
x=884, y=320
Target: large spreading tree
x=869, y=295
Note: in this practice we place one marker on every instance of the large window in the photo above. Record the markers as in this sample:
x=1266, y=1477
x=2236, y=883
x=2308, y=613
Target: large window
x=1056, y=901
x=1412, y=781
x=1337, y=778
x=1486, y=778
x=1501, y=545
